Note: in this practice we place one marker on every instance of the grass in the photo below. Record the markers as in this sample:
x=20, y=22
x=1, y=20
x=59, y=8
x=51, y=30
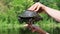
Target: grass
x=9, y=16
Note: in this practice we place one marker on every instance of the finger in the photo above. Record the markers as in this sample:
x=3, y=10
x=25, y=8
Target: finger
x=37, y=8
x=33, y=7
x=25, y=25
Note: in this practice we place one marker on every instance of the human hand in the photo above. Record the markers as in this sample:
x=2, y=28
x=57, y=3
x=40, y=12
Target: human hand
x=38, y=7
x=33, y=28
x=37, y=29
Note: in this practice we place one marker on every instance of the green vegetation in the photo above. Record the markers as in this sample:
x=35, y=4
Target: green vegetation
x=10, y=9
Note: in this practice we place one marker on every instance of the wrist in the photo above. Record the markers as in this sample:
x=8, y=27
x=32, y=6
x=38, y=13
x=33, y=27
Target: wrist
x=44, y=7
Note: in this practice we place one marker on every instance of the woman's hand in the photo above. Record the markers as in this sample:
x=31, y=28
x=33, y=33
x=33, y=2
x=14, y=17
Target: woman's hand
x=38, y=7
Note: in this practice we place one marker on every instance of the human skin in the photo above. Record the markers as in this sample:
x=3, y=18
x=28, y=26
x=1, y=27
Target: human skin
x=52, y=12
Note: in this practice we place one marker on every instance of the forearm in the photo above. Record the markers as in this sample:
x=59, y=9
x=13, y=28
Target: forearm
x=53, y=13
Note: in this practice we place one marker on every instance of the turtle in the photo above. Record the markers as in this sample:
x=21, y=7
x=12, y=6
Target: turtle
x=29, y=15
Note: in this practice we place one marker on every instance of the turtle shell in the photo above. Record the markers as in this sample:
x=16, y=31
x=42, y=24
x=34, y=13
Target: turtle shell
x=27, y=15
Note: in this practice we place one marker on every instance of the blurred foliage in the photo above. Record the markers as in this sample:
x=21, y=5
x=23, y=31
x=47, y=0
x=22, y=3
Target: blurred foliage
x=10, y=9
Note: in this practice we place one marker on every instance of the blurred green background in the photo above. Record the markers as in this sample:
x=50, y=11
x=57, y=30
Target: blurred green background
x=10, y=9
